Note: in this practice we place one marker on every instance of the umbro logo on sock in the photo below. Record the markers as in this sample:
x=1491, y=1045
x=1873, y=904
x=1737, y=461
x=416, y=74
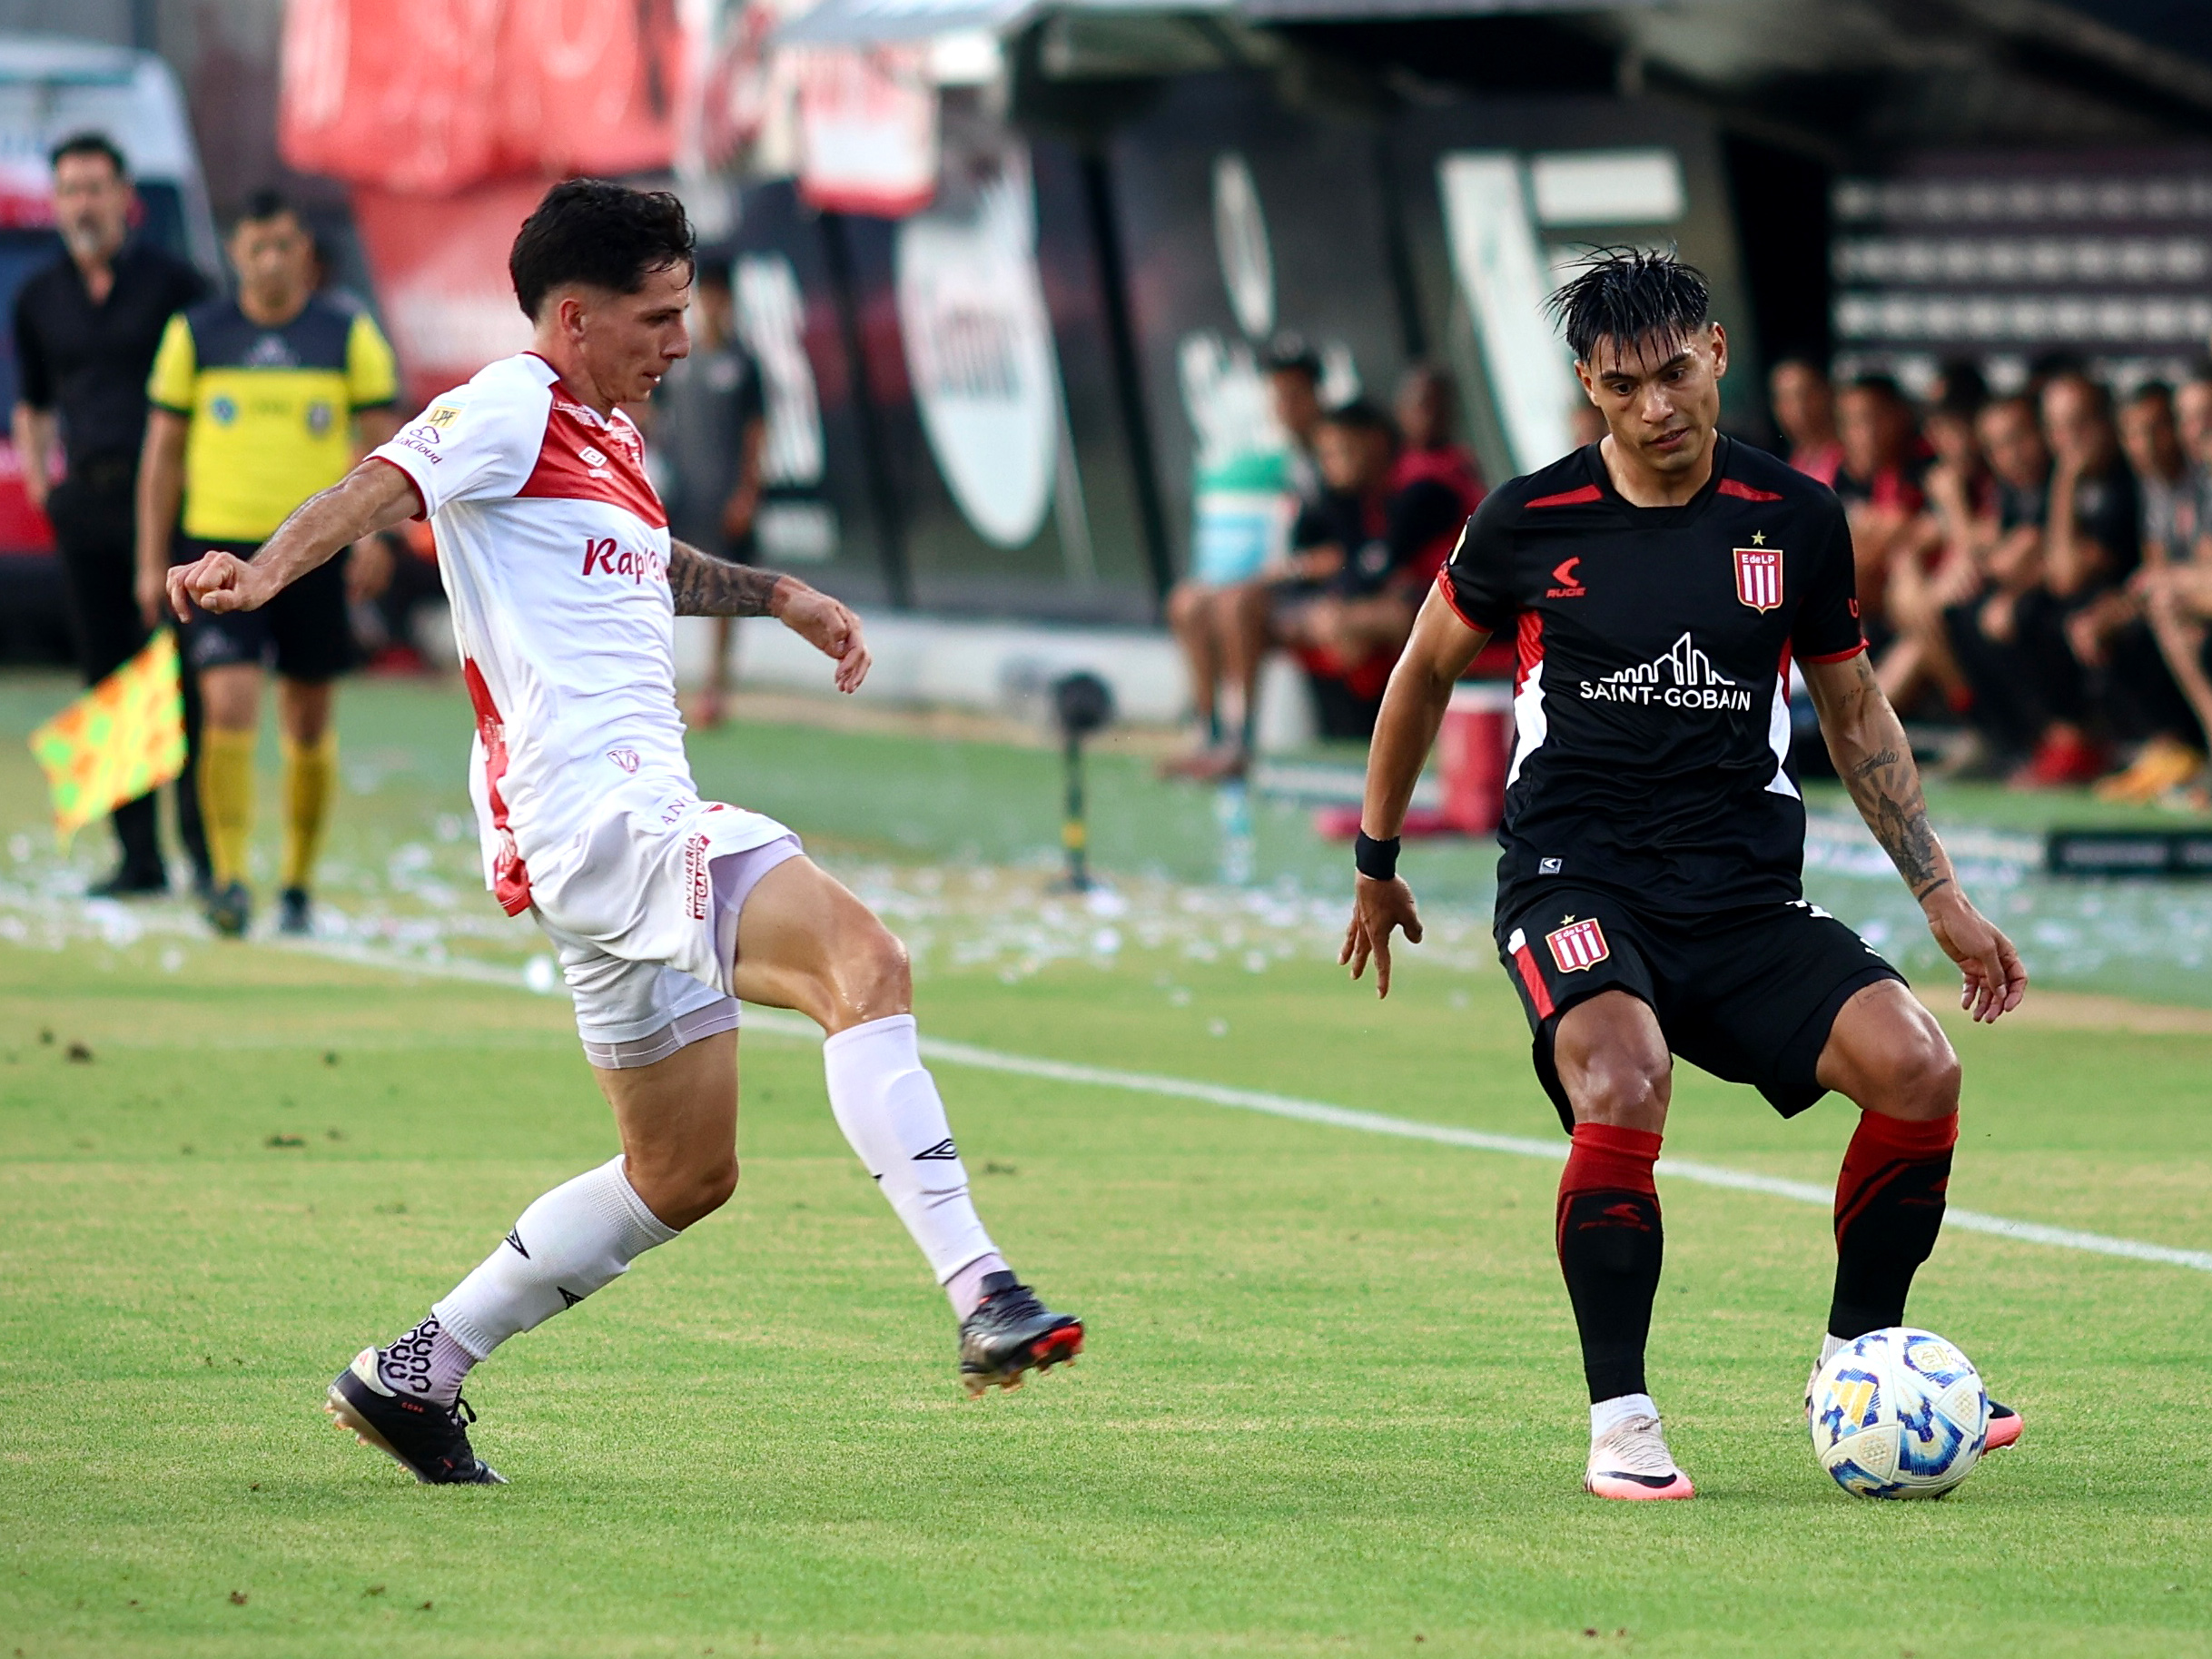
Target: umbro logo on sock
x=515, y=1239
x=569, y=1298
x=944, y=1150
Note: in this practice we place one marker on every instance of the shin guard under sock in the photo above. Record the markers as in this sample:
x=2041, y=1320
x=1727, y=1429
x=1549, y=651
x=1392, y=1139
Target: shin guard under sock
x=1889, y=1209
x=226, y=799
x=568, y=1243
x=886, y=1103
x=1610, y=1248
x=311, y=773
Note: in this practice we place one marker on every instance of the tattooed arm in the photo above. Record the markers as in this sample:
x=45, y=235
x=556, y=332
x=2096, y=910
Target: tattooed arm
x=700, y=585
x=1872, y=756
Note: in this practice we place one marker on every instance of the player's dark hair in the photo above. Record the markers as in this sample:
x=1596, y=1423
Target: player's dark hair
x=263, y=205
x=89, y=143
x=1359, y=415
x=1633, y=296
x=601, y=234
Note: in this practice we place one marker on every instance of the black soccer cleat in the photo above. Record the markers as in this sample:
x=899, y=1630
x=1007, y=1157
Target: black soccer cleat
x=427, y=1440
x=230, y=909
x=295, y=914
x=1012, y=1332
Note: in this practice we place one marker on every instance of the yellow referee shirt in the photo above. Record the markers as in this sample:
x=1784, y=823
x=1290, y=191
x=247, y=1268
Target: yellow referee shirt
x=271, y=409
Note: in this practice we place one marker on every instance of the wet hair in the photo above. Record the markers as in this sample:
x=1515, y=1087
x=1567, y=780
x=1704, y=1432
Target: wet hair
x=1632, y=296
x=601, y=234
x=1360, y=416
x=90, y=144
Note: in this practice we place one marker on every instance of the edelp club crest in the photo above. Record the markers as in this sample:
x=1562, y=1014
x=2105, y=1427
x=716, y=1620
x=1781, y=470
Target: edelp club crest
x=1758, y=577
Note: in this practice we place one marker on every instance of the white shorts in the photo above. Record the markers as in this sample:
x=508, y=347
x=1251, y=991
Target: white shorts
x=651, y=975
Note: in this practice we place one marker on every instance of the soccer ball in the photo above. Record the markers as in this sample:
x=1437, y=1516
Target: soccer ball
x=1900, y=1412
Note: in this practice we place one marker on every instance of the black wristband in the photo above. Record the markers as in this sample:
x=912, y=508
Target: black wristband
x=1376, y=860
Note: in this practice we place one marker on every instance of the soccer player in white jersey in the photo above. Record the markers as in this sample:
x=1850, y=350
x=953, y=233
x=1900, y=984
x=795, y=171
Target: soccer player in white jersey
x=665, y=909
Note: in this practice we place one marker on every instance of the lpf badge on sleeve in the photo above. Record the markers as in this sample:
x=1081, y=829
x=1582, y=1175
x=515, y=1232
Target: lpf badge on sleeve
x=1758, y=577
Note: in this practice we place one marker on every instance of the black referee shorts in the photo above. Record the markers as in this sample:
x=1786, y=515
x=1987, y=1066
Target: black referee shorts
x=1749, y=995
x=304, y=633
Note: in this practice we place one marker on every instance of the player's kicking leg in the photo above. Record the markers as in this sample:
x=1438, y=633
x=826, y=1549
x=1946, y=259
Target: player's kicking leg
x=1888, y=1055
x=803, y=942
x=1612, y=1061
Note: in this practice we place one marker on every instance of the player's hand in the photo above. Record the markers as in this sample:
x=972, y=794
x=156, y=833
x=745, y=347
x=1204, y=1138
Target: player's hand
x=152, y=588
x=218, y=582
x=368, y=569
x=831, y=628
x=1995, y=981
x=1377, y=907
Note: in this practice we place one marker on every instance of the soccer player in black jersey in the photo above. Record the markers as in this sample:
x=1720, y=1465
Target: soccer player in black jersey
x=1659, y=583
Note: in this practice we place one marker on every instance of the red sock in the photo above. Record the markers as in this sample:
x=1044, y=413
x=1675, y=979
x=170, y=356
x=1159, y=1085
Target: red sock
x=1611, y=1244
x=1890, y=1200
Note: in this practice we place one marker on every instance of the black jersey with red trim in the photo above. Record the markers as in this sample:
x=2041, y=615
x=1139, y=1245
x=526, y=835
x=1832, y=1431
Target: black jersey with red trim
x=1651, y=702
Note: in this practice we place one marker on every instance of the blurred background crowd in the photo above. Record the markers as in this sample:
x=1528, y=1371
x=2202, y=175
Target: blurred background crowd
x=1172, y=336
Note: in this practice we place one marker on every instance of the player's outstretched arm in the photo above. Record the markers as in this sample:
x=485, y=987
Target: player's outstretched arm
x=1867, y=743
x=375, y=495
x=701, y=585
x=1437, y=654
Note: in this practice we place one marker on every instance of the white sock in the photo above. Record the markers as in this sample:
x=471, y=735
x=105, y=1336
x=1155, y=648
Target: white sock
x=887, y=1103
x=1611, y=1414
x=577, y=1237
x=1829, y=1342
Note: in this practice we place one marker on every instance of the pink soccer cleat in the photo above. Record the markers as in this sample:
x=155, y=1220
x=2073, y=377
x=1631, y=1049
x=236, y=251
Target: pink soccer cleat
x=1630, y=1461
x=2004, y=1427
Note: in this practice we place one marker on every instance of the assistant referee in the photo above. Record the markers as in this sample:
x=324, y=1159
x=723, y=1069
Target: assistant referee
x=256, y=402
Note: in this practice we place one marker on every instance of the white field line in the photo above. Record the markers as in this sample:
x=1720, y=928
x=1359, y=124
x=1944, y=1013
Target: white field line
x=768, y=1022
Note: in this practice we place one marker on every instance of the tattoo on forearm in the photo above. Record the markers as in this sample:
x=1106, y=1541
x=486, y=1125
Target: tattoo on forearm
x=704, y=586
x=1886, y=788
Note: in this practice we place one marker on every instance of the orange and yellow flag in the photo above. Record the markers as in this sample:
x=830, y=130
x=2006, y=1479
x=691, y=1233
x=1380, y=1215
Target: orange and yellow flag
x=120, y=739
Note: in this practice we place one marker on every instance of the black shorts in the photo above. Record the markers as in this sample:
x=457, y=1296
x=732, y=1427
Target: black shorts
x=1749, y=995
x=304, y=633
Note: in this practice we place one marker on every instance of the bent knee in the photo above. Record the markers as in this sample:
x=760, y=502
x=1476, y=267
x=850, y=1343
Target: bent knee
x=1627, y=1092
x=1918, y=1078
x=871, y=979
x=680, y=1197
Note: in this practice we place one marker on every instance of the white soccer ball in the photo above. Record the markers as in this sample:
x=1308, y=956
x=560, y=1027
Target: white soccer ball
x=1900, y=1412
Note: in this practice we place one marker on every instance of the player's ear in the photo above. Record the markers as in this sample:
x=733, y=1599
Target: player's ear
x=1720, y=349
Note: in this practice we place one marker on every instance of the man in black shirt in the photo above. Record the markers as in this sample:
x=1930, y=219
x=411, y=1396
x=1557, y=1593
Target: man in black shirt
x=1659, y=583
x=87, y=328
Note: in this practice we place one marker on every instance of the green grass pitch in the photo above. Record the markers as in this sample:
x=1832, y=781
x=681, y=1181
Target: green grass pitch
x=1331, y=1402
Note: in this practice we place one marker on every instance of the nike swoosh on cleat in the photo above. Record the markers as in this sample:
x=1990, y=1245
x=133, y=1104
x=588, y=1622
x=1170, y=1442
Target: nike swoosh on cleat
x=1652, y=1481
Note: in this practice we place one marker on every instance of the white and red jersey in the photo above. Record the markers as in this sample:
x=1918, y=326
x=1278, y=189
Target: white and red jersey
x=554, y=554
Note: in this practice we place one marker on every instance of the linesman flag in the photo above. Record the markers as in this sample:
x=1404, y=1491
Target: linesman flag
x=120, y=739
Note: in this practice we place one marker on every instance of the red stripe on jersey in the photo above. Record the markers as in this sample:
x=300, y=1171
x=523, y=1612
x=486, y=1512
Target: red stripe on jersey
x=510, y=881
x=1839, y=657
x=1444, y=586
x=1578, y=498
x=1528, y=648
x=1746, y=492
x=1532, y=976
x=566, y=470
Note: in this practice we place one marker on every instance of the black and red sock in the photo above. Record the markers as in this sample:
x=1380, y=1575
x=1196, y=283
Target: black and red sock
x=1889, y=1209
x=1610, y=1247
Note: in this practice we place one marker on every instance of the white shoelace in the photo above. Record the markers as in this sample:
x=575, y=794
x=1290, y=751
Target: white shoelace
x=1635, y=1447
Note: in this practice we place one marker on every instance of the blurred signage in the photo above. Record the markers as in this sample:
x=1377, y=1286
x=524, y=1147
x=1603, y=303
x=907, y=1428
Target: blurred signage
x=2003, y=259
x=497, y=87
x=867, y=129
x=440, y=269
x=979, y=354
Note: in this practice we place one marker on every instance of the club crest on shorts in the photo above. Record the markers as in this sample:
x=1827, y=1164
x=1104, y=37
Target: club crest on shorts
x=1758, y=577
x=1578, y=945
